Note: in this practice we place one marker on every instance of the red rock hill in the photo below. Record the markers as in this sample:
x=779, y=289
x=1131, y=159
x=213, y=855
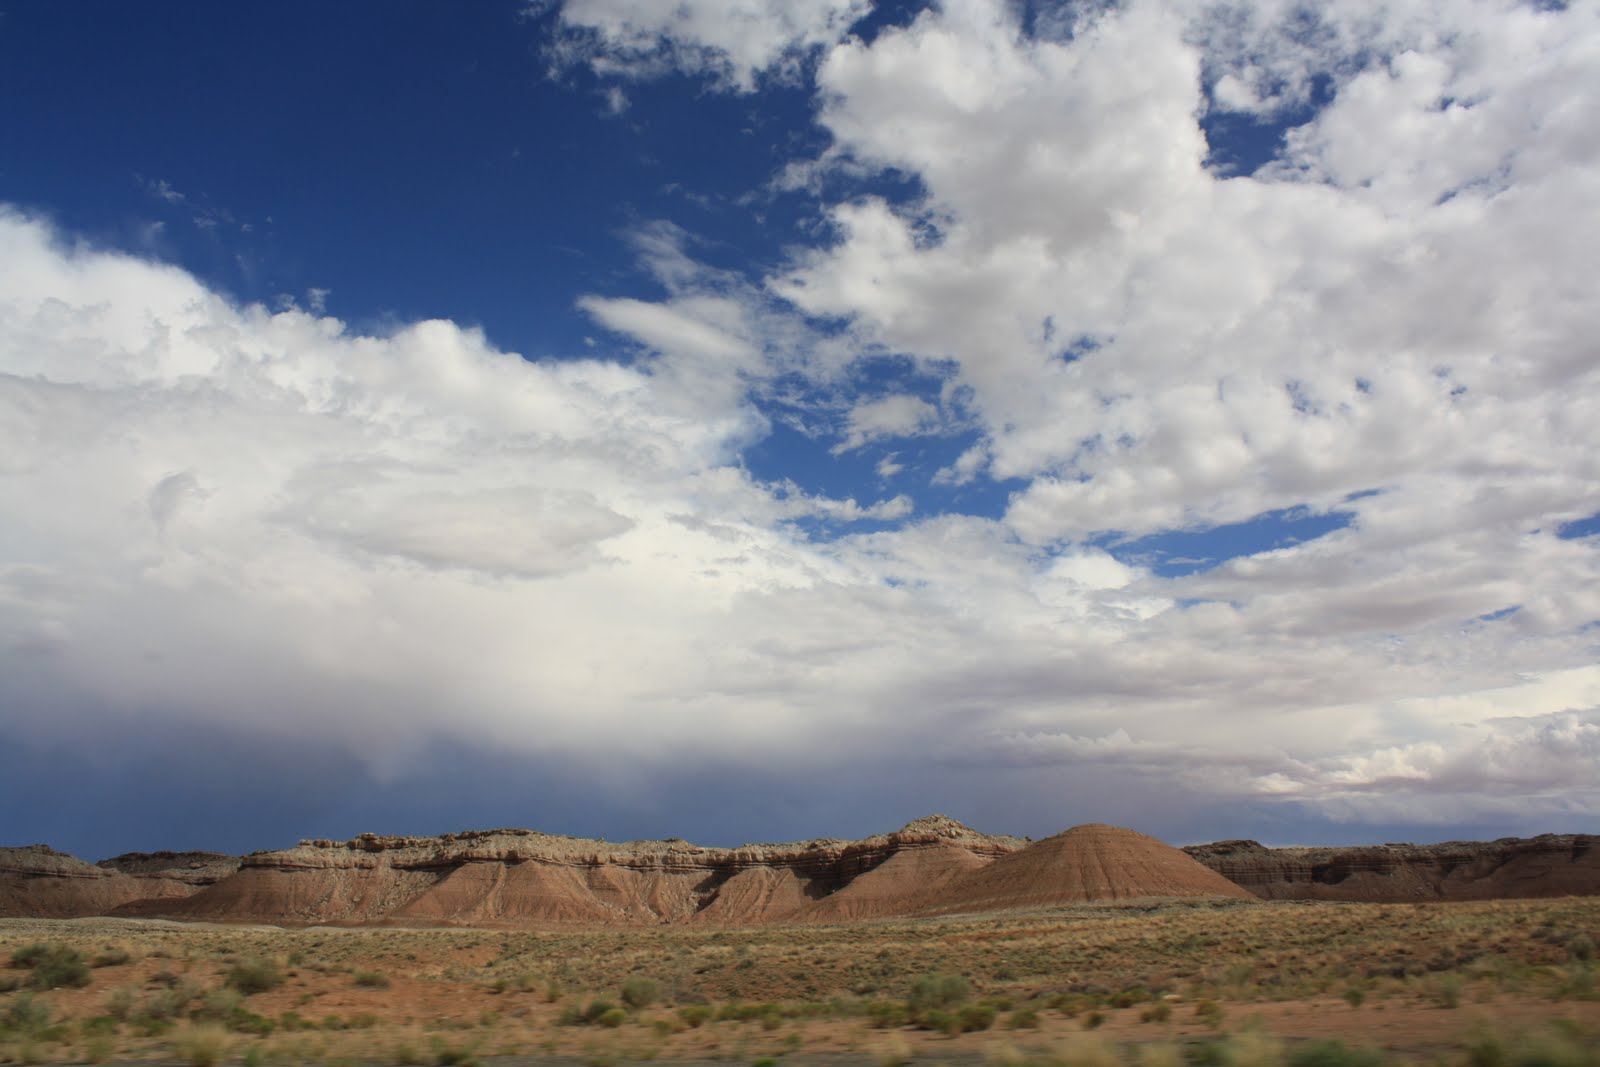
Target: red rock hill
x=931, y=866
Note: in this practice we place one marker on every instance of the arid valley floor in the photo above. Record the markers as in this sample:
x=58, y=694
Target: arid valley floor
x=1227, y=983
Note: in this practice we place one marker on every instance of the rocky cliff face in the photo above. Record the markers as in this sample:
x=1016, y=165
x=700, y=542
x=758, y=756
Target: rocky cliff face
x=1550, y=865
x=195, y=869
x=523, y=876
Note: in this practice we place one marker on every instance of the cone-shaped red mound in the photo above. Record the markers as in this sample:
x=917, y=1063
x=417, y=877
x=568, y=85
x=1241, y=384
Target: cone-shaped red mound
x=904, y=884
x=1093, y=862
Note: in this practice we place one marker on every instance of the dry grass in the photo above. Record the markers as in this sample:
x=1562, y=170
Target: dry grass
x=1158, y=986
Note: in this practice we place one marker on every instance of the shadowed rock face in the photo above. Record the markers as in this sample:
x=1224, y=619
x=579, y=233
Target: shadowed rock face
x=1550, y=865
x=38, y=881
x=191, y=868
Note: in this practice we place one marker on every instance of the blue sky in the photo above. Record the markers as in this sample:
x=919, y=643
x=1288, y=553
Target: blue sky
x=580, y=414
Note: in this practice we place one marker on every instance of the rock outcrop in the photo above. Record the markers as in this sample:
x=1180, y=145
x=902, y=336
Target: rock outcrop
x=194, y=869
x=38, y=881
x=1550, y=865
x=932, y=866
x=524, y=877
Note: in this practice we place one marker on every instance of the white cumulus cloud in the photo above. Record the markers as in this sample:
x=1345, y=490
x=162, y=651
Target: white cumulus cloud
x=732, y=41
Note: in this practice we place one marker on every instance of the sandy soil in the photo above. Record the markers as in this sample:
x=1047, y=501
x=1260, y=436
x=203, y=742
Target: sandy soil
x=1427, y=980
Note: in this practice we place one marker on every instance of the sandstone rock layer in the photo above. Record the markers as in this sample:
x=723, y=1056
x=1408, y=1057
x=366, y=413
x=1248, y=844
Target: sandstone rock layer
x=521, y=877
x=932, y=866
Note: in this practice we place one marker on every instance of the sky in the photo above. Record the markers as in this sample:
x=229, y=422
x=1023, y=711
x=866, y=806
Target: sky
x=769, y=419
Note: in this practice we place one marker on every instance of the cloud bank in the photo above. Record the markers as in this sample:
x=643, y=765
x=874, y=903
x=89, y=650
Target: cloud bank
x=218, y=514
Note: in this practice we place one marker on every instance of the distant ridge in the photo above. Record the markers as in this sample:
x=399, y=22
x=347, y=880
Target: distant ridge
x=527, y=878
x=1550, y=865
x=931, y=866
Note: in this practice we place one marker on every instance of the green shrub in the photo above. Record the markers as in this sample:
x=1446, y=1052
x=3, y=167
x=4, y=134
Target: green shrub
x=885, y=1014
x=1159, y=1012
x=943, y=991
x=56, y=967
x=371, y=980
x=612, y=1017
x=1580, y=947
x=1333, y=1054
x=745, y=1013
x=638, y=992
x=168, y=1003
x=1094, y=1020
x=114, y=956
x=1208, y=1012
x=695, y=1016
x=99, y=1049
x=25, y=958
x=254, y=976
x=1578, y=983
x=217, y=1005
x=1551, y=1050
x=203, y=1046
x=26, y=1016
x=1485, y=1049
x=975, y=1017
x=1024, y=1019
x=454, y=1056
